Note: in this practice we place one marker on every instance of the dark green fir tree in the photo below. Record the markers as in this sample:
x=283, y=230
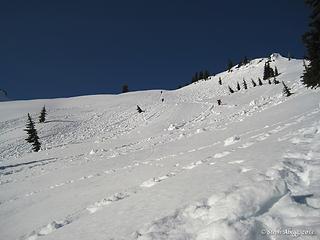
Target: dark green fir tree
x=125, y=88
x=32, y=135
x=276, y=73
x=253, y=83
x=286, y=90
x=43, y=114
x=238, y=86
x=230, y=89
x=230, y=65
x=245, y=85
x=206, y=74
x=311, y=39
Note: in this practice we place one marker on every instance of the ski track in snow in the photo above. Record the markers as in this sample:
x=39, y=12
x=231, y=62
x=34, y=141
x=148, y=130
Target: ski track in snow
x=259, y=137
x=293, y=184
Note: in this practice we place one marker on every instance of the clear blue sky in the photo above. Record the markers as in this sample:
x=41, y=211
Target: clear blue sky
x=61, y=48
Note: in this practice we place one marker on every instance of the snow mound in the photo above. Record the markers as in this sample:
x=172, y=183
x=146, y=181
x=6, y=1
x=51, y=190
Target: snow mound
x=228, y=215
x=231, y=140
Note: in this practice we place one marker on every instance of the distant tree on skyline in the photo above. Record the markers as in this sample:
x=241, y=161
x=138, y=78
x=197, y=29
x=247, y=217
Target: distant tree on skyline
x=125, y=88
x=230, y=65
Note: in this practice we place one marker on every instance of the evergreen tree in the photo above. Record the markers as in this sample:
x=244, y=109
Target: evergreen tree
x=219, y=102
x=271, y=72
x=311, y=39
x=43, y=113
x=206, y=74
x=201, y=75
x=286, y=90
x=245, y=60
x=220, y=81
x=253, y=83
x=230, y=89
x=265, y=72
x=260, y=82
x=230, y=65
x=245, y=86
x=276, y=73
x=139, y=109
x=238, y=86
x=196, y=76
x=275, y=81
x=269, y=81
x=32, y=135
x=125, y=88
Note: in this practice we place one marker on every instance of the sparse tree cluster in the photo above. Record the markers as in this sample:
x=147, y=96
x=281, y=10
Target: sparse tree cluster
x=243, y=62
x=230, y=65
x=32, y=131
x=268, y=72
x=202, y=75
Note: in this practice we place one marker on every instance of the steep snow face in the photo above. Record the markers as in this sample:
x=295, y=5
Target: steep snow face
x=185, y=168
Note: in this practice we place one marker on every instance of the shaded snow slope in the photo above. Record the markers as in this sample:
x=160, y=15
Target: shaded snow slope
x=186, y=168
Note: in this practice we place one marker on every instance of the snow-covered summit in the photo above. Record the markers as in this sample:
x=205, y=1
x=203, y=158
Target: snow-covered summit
x=185, y=168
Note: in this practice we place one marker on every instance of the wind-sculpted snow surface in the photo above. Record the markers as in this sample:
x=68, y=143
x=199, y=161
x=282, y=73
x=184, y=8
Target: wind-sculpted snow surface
x=287, y=198
x=185, y=168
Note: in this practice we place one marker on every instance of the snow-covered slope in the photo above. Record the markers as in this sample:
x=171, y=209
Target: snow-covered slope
x=186, y=168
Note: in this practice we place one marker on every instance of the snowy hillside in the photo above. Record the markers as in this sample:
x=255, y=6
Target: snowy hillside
x=186, y=168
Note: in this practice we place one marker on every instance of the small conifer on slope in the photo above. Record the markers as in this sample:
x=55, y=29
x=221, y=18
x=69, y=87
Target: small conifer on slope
x=238, y=86
x=245, y=86
x=230, y=89
x=32, y=135
x=253, y=83
x=43, y=113
x=286, y=90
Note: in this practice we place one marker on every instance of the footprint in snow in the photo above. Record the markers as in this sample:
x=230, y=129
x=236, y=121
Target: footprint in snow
x=221, y=155
x=244, y=170
x=49, y=228
x=236, y=162
x=246, y=145
x=106, y=201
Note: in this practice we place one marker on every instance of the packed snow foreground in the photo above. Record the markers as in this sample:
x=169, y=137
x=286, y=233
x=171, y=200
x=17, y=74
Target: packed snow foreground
x=185, y=168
